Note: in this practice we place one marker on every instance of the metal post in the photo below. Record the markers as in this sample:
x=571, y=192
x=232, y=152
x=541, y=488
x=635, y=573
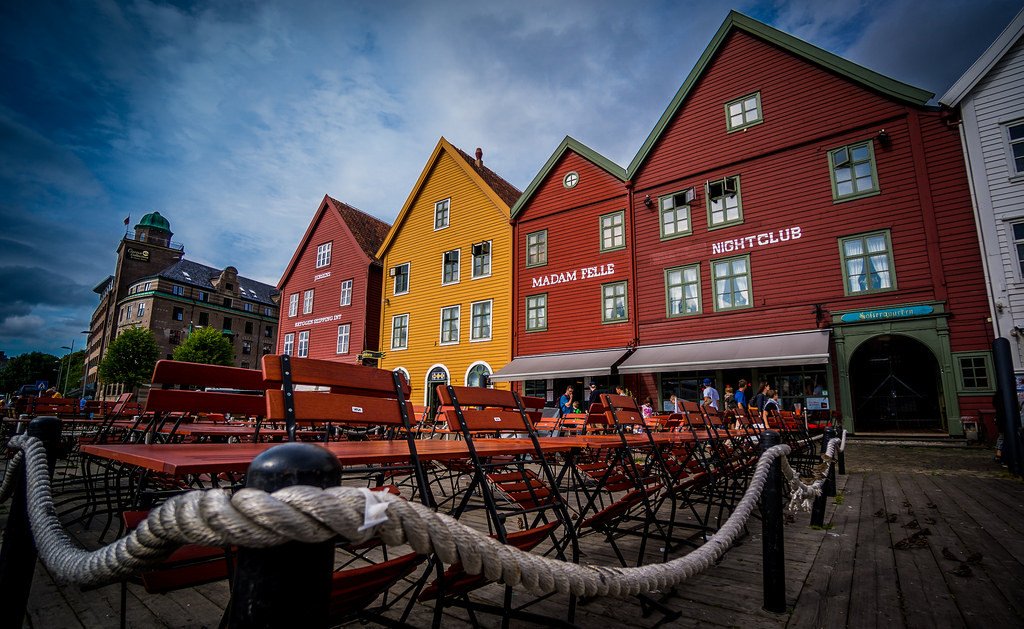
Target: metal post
x=830, y=483
x=842, y=462
x=18, y=555
x=273, y=584
x=773, y=546
x=1006, y=398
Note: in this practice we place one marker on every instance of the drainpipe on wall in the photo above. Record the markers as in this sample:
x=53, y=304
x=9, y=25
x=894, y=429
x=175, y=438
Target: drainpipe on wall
x=632, y=264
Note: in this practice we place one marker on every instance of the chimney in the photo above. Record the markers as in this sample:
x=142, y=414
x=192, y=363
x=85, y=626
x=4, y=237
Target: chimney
x=479, y=157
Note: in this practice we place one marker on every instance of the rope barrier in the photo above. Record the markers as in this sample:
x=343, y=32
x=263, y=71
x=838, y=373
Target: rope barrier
x=802, y=495
x=256, y=519
x=7, y=486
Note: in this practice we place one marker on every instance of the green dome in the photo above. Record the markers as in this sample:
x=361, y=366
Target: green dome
x=153, y=220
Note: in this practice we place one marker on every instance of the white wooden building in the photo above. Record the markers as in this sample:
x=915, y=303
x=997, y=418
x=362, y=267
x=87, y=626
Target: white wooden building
x=990, y=100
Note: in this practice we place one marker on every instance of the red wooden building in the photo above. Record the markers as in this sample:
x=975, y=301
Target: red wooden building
x=572, y=282
x=330, y=290
x=793, y=218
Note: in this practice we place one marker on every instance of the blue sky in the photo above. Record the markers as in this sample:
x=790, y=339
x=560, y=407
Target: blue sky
x=233, y=119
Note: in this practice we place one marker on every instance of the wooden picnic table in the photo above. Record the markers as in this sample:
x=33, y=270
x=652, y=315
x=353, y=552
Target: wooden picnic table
x=183, y=459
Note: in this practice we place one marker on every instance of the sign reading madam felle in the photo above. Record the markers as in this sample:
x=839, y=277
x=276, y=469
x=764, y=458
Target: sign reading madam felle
x=583, y=273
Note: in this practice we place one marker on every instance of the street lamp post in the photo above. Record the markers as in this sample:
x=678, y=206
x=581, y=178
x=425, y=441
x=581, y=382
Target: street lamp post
x=67, y=370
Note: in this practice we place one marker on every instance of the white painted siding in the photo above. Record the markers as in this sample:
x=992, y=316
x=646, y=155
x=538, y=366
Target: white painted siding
x=995, y=101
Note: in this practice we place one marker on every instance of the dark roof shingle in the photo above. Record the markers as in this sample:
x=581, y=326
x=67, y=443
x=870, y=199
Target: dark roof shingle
x=368, y=231
x=202, y=276
x=505, y=191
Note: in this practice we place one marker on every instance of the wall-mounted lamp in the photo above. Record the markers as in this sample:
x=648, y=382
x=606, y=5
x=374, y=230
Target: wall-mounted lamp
x=884, y=139
x=647, y=201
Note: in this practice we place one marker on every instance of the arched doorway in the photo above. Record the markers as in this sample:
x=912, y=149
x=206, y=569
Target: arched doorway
x=895, y=384
x=438, y=374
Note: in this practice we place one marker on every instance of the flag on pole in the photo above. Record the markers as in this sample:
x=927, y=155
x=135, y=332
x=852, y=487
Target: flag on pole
x=127, y=220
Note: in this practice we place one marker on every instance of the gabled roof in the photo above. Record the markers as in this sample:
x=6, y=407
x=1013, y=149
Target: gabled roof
x=202, y=276
x=502, y=193
x=368, y=231
x=1006, y=40
x=869, y=79
x=584, y=151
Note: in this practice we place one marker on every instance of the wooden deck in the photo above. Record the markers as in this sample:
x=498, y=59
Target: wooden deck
x=919, y=537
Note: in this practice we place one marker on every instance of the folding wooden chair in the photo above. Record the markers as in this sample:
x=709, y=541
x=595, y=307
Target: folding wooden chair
x=352, y=395
x=513, y=488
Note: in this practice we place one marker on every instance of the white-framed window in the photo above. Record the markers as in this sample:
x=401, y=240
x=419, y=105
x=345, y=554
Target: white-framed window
x=537, y=312
x=478, y=375
x=204, y=296
x=571, y=179
x=537, y=248
x=147, y=286
x=613, y=231
x=724, y=205
x=400, y=331
x=323, y=255
x=400, y=273
x=293, y=304
x=142, y=309
x=675, y=214
x=268, y=311
x=867, y=263
x=1015, y=147
x=289, y=343
x=731, y=278
x=344, y=334
x=346, y=293
x=177, y=290
x=450, y=266
x=450, y=319
x=682, y=290
x=613, y=301
x=303, y=350
x=1017, y=230
x=442, y=213
x=482, y=259
x=481, y=321
x=743, y=112
x=246, y=306
x=307, y=302
x=852, y=168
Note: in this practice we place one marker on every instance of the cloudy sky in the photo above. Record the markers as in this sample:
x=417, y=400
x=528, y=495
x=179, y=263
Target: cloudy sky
x=233, y=119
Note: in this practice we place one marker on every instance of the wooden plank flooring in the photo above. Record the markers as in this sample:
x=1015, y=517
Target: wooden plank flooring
x=915, y=539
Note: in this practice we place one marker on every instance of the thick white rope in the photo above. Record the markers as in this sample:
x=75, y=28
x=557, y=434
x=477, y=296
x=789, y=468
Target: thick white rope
x=802, y=495
x=256, y=519
x=7, y=486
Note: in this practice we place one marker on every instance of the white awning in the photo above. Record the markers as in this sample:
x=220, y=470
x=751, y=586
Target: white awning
x=562, y=365
x=808, y=347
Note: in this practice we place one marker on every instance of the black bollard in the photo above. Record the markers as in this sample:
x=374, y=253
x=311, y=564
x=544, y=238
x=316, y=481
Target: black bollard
x=830, y=482
x=1006, y=398
x=773, y=546
x=290, y=584
x=18, y=555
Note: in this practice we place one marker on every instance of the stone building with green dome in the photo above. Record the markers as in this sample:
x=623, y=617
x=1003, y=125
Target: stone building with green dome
x=154, y=286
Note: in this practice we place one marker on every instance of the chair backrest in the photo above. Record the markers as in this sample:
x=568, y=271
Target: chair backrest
x=622, y=410
x=241, y=392
x=534, y=407
x=483, y=410
x=352, y=394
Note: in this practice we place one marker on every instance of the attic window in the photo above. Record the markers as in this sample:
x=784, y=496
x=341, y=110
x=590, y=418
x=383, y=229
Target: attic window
x=571, y=179
x=743, y=112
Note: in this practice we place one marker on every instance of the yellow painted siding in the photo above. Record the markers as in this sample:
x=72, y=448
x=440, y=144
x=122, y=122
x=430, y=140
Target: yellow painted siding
x=474, y=217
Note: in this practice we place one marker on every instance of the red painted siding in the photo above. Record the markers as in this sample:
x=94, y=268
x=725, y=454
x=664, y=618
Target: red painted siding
x=348, y=262
x=571, y=218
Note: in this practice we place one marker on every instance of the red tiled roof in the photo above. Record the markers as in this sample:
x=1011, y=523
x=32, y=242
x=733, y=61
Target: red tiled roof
x=368, y=231
x=505, y=191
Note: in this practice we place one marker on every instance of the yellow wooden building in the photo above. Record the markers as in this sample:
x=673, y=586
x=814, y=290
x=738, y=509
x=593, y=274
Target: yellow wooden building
x=446, y=316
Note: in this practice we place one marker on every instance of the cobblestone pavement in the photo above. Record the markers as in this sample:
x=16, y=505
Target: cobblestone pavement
x=965, y=460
